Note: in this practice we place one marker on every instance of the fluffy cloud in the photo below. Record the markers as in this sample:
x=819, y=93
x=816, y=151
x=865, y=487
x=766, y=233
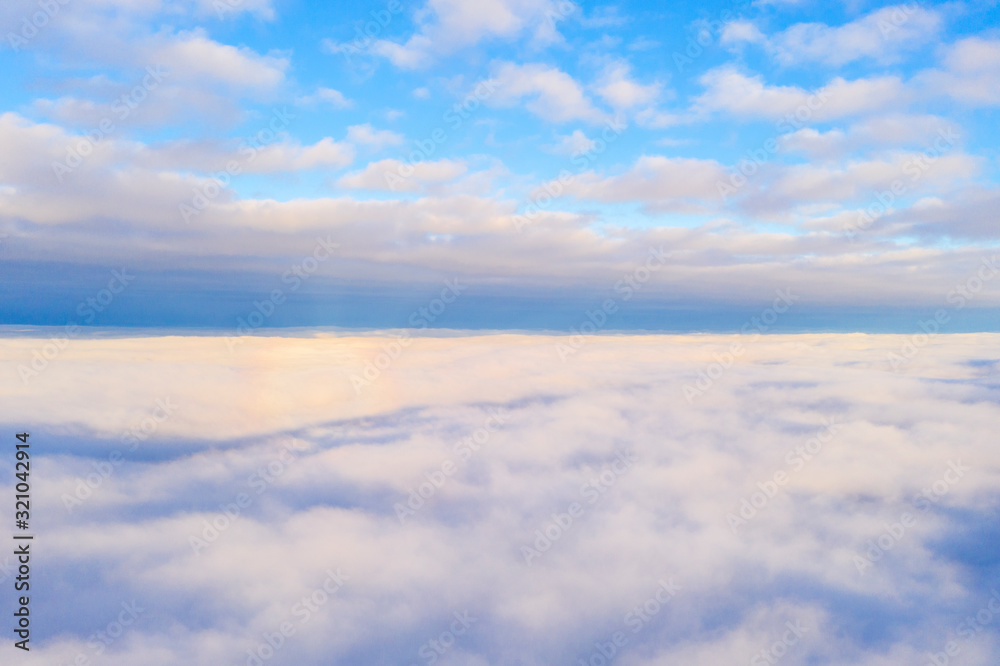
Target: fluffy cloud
x=971, y=74
x=662, y=183
x=546, y=91
x=326, y=96
x=728, y=89
x=848, y=182
x=618, y=89
x=411, y=240
x=449, y=25
x=874, y=133
x=882, y=36
x=786, y=480
x=573, y=144
x=384, y=175
x=367, y=135
x=195, y=56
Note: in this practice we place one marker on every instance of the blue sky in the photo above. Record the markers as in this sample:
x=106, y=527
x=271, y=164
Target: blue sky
x=745, y=140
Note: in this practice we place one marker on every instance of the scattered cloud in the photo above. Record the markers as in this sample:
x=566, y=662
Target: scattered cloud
x=326, y=97
x=546, y=91
x=971, y=74
x=729, y=89
x=366, y=135
x=882, y=36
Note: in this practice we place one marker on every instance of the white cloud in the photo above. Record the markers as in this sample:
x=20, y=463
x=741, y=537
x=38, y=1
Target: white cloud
x=573, y=144
x=366, y=135
x=194, y=56
x=225, y=9
x=652, y=118
x=728, y=89
x=331, y=505
x=741, y=31
x=385, y=175
x=877, y=132
x=971, y=74
x=546, y=91
x=605, y=16
x=327, y=97
x=660, y=183
x=292, y=157
x=446, y=26
x=842, y=183
x=882, y=36
x=283, y=154
x=617, y=88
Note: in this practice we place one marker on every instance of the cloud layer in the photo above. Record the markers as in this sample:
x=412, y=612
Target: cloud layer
x=703, y=499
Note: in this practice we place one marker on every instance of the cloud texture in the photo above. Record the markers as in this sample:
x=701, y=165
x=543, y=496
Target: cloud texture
x=511, y=498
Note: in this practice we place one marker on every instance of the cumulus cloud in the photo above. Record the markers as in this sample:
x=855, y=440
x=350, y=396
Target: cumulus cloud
x=385, y=175
x=729, y=89
x=874, y=133
x=785, y=480
x=367, y=135
x=195, y=56
x=619, y=90
x=328, y=97
x=741, y=31
x=882, y=36
x=662, y=183
x=446, y=26
x=546, y=91
x=971, y=74
x=849, y=181
x=573, y=144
